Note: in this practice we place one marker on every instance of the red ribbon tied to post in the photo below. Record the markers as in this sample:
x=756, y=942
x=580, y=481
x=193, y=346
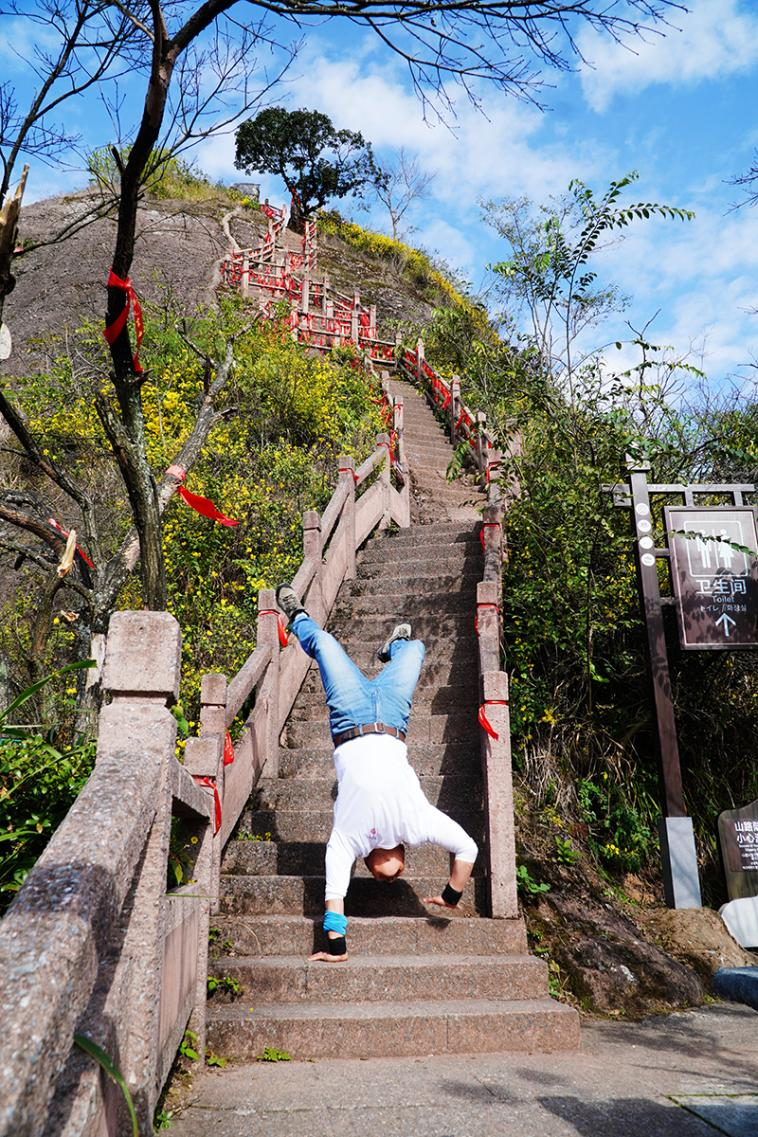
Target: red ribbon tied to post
x=228, y=749
x=211, y=784
x=484, y=722
x=202, y=505
x=114, y=330
x=281, y=630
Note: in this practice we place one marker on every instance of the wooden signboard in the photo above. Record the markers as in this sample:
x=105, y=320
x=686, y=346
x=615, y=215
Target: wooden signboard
x=738, y=836
x=714, y=572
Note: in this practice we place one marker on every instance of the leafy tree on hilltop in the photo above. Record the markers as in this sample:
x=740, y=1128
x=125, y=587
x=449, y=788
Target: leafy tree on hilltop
x=315, y=161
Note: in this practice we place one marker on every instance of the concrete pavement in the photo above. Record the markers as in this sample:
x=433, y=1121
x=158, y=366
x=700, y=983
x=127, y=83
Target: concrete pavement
x=690, y=1074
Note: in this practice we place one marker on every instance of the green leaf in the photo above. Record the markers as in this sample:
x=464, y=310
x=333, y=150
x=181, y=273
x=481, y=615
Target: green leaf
x=96, y=1052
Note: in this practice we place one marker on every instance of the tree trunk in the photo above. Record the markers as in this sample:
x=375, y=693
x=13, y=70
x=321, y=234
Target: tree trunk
x=296, y=222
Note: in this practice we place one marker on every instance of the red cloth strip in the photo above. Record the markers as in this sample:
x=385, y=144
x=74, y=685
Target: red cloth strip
x=228, y=749
x=347, y=470
x=211, y=784
x=281, y=630
x=487, y=525
x=114, y=330
x=484, y=722
x=64, y=533
x=202, y=505
x=483, y=604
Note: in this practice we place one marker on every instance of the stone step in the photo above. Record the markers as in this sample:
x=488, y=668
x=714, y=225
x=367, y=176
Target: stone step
x=374, y=978
x=402, y=607
x=421, y=587
x=426, y=758
x=438, y=553
x=440, y=700
x=422, y=565
x=306, y=858
x=391, y=935
x=304, y=895
x=455, y=533
x=458, y=726
x=294, y=793
x=375, y=1030
x=316, y=824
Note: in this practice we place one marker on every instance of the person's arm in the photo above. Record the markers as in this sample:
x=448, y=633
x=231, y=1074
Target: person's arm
x=442, y=830
x=339, y=861
x=337, y=942
x=453, y=890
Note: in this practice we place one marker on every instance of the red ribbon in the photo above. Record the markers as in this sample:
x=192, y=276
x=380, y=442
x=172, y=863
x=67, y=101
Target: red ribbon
x=211, y=784
x=483, y=604
x=487, y=525
x=281, y=630
x=484, y=722
x=114, y=330
x=348, y=470
x=228, y=749
x=64, y=533
x=202, y=505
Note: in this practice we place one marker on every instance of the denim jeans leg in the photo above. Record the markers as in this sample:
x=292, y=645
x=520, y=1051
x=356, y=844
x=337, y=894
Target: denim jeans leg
x=397, y=681
x=349, y=694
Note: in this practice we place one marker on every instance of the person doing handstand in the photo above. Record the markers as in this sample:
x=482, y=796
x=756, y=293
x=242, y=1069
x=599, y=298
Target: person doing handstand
x=380, y=806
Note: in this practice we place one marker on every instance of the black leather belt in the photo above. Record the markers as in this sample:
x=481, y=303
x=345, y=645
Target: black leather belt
x=368, y=728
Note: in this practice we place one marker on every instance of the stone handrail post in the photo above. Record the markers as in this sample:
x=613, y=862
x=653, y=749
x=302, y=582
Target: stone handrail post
x=354, y=323
x=204, y=757
x=455, y=407
x=498, y=783
x=245, y=279
x=385, y=476
x=305, y=301
x=268, y=633
x=372, y=321
x=143, y=662
x=481, y=441
x=347, y=475
x=419, y=361
x=399, y=425
x=312, y=551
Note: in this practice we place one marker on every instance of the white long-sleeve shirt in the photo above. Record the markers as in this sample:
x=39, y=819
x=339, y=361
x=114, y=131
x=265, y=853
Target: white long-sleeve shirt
x=380, y=804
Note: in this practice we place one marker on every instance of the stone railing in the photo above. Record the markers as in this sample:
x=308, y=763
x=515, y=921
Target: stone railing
x=463, y=425
x=94, y=944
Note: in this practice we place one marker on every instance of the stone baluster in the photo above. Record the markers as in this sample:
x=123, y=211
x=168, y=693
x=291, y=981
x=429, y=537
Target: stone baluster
x=455, y=407
x=268, y=633
x=305, y=303
x=347, y=472
x=481, y=442
x=372, y=322
x=385, y=474
x=312, y=551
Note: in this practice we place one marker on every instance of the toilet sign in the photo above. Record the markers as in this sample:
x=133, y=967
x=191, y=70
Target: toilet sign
x=714, y=573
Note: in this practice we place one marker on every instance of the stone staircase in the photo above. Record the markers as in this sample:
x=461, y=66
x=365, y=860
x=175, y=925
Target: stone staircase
x=417, y=982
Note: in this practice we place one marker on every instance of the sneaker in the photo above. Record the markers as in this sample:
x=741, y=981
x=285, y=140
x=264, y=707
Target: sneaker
x=401, y=632
x=289, y=601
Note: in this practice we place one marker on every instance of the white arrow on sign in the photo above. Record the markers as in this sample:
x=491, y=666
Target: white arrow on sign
x=726, y=621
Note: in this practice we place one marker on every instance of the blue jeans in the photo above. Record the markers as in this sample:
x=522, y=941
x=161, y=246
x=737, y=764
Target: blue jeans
x=354, y=700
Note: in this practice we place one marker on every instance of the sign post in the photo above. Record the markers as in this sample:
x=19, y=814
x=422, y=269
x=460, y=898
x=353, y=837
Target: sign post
x=713, y=560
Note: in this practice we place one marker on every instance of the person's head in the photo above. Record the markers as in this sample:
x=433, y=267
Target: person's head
x=386, y=864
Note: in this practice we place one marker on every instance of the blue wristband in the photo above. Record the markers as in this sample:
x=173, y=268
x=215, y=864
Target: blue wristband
x=335, y=922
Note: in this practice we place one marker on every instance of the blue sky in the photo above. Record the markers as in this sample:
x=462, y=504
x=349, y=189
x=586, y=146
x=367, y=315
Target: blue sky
x=680, y=109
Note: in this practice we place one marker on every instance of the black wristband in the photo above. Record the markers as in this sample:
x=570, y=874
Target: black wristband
x=336, y=946
x=451, y=895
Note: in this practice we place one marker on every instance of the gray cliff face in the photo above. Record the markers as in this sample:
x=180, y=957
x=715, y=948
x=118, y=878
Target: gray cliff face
x=61, y=285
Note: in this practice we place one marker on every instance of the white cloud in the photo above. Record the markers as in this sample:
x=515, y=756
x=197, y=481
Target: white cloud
x=710, y=41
